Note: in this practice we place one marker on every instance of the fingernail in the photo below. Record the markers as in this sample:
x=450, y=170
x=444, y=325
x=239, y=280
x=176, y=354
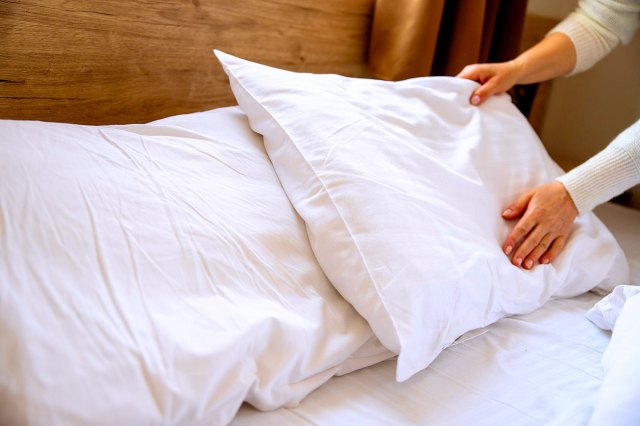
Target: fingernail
x=508, y=250
x=475, y=100
x=528, y=264
x=544, y=261
x=507, y=212
x=518, y=261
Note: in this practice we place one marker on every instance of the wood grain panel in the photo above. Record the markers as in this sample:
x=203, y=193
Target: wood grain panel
x=116, y=61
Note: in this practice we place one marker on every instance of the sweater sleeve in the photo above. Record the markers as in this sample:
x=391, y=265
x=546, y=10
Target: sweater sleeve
x=607, y=174
x=597, y=27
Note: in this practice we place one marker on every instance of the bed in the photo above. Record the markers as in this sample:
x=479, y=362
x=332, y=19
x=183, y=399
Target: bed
x=539, y=368
x=260, y=235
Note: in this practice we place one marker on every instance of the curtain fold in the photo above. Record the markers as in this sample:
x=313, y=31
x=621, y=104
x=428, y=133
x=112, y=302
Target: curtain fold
x=412, y=38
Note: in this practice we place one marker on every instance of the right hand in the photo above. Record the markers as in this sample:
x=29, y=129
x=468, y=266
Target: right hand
x=545, y=218
x=494, y=79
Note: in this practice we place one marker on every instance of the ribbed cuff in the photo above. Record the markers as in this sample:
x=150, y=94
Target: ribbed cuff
x=591, y=46
x=604, y=176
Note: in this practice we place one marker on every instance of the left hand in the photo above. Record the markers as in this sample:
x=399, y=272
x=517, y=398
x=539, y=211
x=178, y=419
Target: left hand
x=546, y=216
x=493, y=78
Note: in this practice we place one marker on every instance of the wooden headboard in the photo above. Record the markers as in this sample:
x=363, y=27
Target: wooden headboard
x=117, y=61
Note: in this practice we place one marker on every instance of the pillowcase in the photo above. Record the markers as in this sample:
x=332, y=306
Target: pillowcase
x=401, y=185
x=157, y=274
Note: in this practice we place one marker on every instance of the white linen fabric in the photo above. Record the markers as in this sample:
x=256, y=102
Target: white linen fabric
x=605, y=313
x=157, y=274
x=618, y=400
x=619, y=396
x=542, y=368
x=401, y=185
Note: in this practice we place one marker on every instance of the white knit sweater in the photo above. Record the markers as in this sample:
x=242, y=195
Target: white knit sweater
x=596, y=28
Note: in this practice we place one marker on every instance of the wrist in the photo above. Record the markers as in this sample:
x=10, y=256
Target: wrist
x=519, y=66
x=566, y=197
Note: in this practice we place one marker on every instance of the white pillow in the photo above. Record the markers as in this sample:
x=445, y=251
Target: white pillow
x=156, y=274
x=401, y=186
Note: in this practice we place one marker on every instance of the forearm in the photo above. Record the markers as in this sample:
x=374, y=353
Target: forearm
x=552, y=57
x=582, y=39
x=597, y=27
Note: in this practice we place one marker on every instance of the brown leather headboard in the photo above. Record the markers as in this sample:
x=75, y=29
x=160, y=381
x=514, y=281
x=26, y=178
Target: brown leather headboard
x=122, y=61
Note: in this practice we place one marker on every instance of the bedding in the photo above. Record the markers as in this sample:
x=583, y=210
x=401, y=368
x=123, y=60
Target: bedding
x=619, y=396
x=541, y=368
x=401, y=185
x=618, y=400
x=157, y=274
x=605, y=313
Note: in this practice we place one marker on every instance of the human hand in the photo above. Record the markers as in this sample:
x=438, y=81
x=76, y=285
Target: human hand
x=547, y=215
x=494, y=79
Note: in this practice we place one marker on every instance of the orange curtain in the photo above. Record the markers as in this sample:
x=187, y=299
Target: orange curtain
x=412, y=38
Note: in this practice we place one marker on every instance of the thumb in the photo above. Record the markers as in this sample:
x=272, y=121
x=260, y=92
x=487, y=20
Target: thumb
x=517, y=208
x=482, y=93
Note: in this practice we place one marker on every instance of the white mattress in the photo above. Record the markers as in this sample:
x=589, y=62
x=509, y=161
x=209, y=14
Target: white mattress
x=540, y=368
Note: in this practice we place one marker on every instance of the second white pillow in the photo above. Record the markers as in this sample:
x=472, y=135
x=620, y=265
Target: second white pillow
x=401, y=186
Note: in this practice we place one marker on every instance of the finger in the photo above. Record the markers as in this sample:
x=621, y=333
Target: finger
x=555, y=249
x=483, y=93
x=519, y=232
x=538, y=251
x=482, y=74
x=523, y=227
x=530, y=242
x=517, y=208
x=470, y=72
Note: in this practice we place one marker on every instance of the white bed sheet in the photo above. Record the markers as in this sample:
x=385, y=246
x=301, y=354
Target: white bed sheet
x=540, y=368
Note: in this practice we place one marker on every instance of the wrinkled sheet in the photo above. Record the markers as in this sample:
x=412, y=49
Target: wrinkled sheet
x=537, y=369
x=543, y=368
x=618, y=401
x=605, y=313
